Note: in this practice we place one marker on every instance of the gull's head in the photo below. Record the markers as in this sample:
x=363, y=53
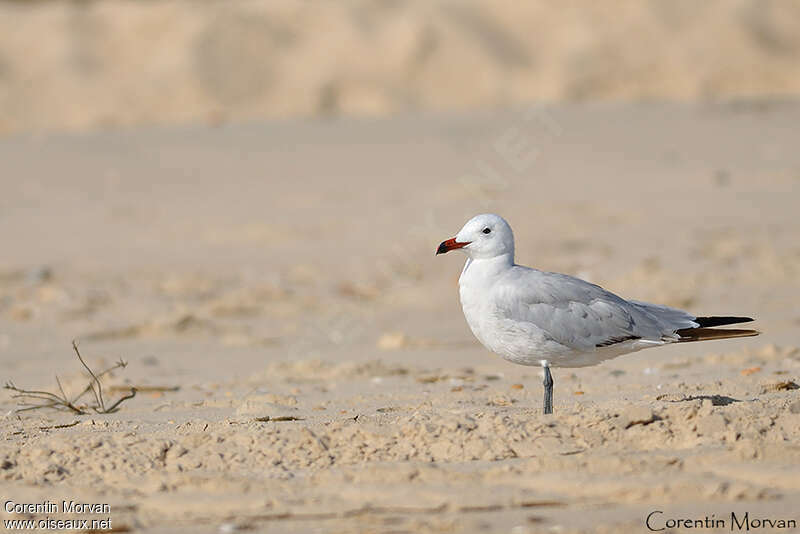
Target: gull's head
x=484, y=236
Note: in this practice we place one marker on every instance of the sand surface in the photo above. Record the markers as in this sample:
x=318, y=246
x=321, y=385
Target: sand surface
x=285, y=272
x=80, y=66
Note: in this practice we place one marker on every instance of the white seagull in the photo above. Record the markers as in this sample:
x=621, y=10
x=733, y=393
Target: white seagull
x=533, y=317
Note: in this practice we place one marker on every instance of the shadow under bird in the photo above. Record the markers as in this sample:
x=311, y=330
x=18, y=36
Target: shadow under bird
x=533, y=317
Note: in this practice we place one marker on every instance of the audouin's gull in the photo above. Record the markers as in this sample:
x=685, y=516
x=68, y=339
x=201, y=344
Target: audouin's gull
x=533, y=317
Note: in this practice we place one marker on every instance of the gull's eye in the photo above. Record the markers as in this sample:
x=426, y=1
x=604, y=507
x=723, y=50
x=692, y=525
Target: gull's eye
x=487, y=230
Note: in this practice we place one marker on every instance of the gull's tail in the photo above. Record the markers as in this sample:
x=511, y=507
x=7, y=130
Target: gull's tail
x=706, y=331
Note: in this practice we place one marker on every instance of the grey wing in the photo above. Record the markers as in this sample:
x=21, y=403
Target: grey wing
x=581, y=315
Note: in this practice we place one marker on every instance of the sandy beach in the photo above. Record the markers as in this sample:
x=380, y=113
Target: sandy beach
x=301, y=356
x=81, y=66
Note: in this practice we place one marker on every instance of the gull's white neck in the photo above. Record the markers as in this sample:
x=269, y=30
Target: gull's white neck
x=481, y=271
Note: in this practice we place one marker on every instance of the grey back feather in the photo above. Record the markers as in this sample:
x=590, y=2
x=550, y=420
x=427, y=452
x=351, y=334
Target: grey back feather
x=579, y=314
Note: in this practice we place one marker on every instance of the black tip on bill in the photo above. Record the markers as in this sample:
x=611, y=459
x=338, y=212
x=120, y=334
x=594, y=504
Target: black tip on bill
x=442, y=248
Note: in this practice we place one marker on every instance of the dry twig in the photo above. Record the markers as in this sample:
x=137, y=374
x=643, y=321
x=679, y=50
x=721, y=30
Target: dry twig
x=34, y=399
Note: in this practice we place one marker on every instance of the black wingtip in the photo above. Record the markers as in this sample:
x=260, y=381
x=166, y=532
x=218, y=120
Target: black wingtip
x=709, y=322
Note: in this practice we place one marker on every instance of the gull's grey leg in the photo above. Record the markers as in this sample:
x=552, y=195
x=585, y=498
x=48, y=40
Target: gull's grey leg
x=548, y=390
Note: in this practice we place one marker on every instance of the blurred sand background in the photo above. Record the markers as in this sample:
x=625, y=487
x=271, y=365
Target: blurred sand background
x=243, y=201
x=83, y=65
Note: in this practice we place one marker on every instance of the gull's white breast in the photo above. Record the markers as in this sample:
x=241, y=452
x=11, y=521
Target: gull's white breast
x=517, y=341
